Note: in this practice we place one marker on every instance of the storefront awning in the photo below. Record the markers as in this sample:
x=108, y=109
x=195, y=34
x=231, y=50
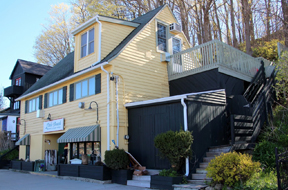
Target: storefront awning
x=81, y=134
x=25, y=140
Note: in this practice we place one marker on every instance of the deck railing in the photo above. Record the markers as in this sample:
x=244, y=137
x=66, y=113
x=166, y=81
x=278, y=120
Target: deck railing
x=212, y=55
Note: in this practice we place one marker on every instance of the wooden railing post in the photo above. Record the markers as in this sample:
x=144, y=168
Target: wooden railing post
x=232, y=129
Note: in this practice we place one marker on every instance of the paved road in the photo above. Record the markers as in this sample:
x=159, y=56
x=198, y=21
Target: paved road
x=10, y=180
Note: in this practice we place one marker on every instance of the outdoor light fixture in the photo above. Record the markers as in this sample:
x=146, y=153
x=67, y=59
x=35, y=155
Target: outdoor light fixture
x=24, y=125
x=126, y=137
x=48, y=141
x=90, y=108
x=49, y=117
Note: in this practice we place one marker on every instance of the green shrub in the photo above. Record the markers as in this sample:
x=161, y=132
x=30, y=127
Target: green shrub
x=264, y=152
x=174, y=145
x=11, y=156
x=170, y=173
x=262, y=181
x=116, y=159
x=232, y=167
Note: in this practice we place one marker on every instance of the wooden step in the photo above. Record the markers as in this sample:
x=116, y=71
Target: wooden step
x=200, y=176
x=204, y=164
x=199, y=181
x=201, y=171
x=213, y=154
x=243, y=138
x=208, y=159
x=220, y=149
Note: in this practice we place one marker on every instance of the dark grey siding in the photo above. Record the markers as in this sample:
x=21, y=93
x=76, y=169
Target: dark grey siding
x=18, y=72
x=30, y=79
x=205, y=81
x=207, y=121
x=147, y=122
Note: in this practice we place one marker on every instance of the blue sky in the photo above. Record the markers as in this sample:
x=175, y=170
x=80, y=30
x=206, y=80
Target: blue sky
x=21, y=22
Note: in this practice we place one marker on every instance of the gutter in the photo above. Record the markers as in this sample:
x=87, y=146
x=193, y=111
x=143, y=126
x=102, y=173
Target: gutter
x=63, y=80
x=185, y=129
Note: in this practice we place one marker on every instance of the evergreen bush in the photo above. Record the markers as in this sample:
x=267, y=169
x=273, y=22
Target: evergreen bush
x=175, y=146
x=231, y=168
x=116, y=159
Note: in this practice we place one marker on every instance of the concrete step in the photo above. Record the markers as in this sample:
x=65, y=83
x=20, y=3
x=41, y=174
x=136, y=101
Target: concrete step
x=142, y=178
x=201, y=171
x=213, y=154
x=153, y=172
x=208, y=159
x=204, y=164
x=138, y=183
x=199, y=176
x=199, y=181
x=189, y=186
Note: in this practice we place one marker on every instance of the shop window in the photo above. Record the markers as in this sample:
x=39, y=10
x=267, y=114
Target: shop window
x=27, y=152
x=78, y=149
x=81, y=150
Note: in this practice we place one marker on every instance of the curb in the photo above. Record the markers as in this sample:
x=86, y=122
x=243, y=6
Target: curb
x=64, y=177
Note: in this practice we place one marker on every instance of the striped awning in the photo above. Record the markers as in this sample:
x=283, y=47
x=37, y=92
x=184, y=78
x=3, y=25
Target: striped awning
x=81, y=134
x=25, y=140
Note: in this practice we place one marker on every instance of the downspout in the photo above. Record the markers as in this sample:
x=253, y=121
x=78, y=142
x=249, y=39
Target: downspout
x=108, y=107
x=99, y=38
x=117, y=108
x=185, y=129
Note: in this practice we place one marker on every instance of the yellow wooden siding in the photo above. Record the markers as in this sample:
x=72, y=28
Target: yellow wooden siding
x=112, y=35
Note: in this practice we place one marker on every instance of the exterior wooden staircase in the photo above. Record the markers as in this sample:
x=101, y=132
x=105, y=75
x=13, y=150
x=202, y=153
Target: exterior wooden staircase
x=200, y=176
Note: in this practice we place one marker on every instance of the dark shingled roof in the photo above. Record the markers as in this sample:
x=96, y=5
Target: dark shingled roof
x=31, y=67
x=65, y=67
x=61, y=70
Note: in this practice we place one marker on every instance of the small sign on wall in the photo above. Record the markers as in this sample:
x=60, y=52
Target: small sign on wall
x=55, y=125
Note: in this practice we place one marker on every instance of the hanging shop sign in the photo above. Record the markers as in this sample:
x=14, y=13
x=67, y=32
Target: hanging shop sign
x=54, y=125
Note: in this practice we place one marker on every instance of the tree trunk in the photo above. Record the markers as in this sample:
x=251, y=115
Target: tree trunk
x=268, y=12
x=235, y=43
x=227, y=24
x=218, y=22
x=285, y=20
x=245, y=7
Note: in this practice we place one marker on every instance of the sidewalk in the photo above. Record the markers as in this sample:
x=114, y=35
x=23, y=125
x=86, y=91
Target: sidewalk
x=15, y=180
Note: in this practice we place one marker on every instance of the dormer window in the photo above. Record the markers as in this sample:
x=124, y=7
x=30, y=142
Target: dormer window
x=87, y=43
x=18, y=81
x=161, y=37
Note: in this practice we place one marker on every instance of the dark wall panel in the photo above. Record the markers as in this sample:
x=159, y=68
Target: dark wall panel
x=18, y=72
x=208, y=123
x=147, y=122
x=30, y=80
x=208, y=80
x=204, y=81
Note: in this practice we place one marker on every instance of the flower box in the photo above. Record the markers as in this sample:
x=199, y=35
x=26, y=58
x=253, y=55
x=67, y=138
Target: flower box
x=95, y=172
x=164, y=182
x=121, y=176
x=16, y=165
x=27, y=166
x=68, y=170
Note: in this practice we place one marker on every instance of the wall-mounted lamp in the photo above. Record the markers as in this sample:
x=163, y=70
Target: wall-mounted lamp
x=90, y=108
x=48, y=141
x=126, y=137
x=49, y=117
x=24, y=123
x=81, y=105
x=112, y=76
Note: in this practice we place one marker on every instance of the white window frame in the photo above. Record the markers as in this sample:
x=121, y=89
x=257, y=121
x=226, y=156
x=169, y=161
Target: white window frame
x=16, y=105
x=87, y=43
x=177, y=38
x=88, y=89
x=51, y=98
x=167, y=35
x=31, y=107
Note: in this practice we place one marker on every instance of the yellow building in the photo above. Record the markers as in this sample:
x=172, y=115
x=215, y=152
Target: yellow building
x=80, y=102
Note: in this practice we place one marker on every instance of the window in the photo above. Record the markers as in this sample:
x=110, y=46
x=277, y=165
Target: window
x=85, y=88
x=32, y=104
x=27, y=152
x=55, y=98
x=87, y=43
x=176, y=45
x=80, y=148
x=161, y=37
x=18, y=81
x=16, y=105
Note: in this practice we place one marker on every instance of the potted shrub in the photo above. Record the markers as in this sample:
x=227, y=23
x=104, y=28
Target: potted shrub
x=118, y=161
x=175, y=146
